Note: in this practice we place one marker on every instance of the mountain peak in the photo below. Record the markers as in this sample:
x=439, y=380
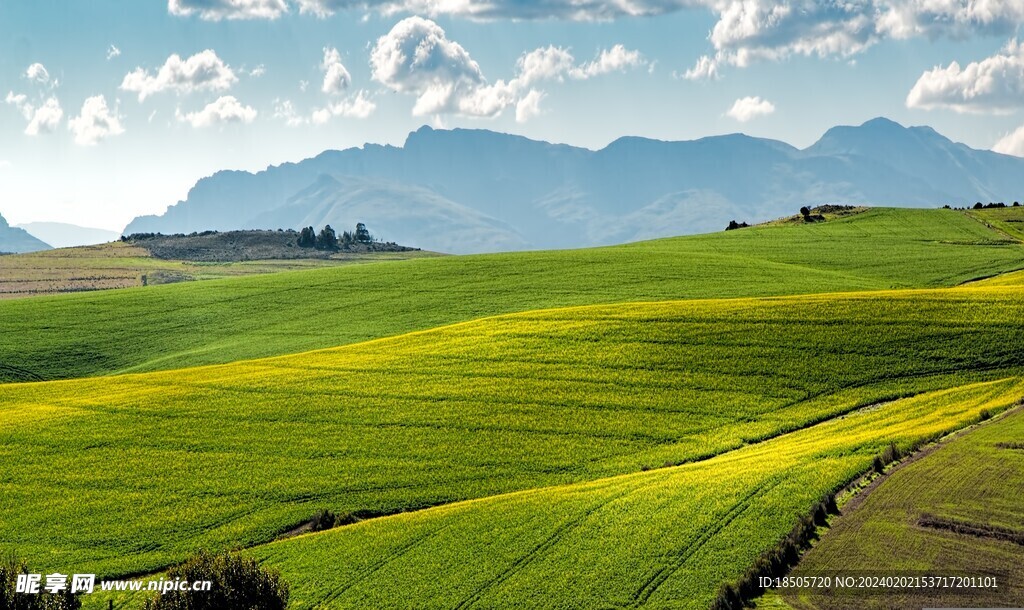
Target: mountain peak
x=881, y=123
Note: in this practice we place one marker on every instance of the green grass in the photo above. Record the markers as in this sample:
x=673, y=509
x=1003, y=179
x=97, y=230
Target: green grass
x=1008, y=220
x=217, y=321
x=976, y=480
x=150, y=467
x=663, y=538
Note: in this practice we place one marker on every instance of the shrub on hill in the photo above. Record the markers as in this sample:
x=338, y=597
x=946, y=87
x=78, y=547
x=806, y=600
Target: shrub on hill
x=10, y=568
x=238, y=583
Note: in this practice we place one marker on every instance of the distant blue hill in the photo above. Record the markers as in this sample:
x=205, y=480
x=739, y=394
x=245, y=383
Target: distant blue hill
x=476, y=190
x=14, y=240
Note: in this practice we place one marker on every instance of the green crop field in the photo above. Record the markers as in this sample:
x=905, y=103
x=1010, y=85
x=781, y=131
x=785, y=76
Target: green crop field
x=1008, y=220
x=238, y=453
x=972, y=483
x=663, y=538
x=217, y=321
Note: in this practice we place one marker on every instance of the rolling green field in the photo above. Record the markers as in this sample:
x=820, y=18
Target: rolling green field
x=973, y=482
x=236, y=454
x=615, y=427
x=659, y=539
x=218, y=321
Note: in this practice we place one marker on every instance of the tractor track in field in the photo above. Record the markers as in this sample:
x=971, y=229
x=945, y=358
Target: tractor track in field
x=377, y=565
x=22, y=372
x=642, y=595
x=538, y=550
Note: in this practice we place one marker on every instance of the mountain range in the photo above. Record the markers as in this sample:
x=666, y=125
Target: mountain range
x=466, y=191
x=15, y=240
x=64, y=235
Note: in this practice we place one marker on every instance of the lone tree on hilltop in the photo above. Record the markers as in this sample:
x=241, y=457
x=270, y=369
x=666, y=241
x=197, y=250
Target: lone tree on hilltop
x=327, y=240
x=307, y=238
x=805, y=212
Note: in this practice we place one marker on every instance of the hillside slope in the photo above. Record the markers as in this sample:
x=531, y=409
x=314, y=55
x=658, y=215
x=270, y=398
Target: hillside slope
x=162, y=327
x=955, y=511
x=159, y=464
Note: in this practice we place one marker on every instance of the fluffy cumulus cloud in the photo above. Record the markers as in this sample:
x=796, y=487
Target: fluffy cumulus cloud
x=529, y=106
x=1011, y=143
x=992, y=85
x=225, y=109
x=417, y=58
x=95, y=123
x=42, y=119
x=752, y=30
x=748, y=108
x=203, y=71
x=215, y=10
x=336, y=77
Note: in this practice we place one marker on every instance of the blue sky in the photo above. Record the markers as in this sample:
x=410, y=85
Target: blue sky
x=114, y=109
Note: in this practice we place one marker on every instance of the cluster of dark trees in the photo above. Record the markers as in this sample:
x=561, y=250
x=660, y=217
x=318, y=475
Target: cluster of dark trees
x=733, y=225
x=986, y=206
x=327, y=239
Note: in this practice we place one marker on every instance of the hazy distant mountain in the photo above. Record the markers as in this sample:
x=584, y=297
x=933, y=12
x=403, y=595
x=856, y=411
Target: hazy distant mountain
x=13, y=240
x=477, y=190
x=63, y=235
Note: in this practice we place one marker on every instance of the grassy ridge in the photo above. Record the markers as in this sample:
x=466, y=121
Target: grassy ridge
x=165, y=327
x=973, y=482
x=155, y=465
x=663, y=538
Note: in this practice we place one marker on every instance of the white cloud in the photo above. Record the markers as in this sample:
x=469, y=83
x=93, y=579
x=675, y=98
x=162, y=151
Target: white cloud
x=418, y=59
x=215, y=10
x=354, y=107
x=615, y=59
x=956, y=18
x=46, y=118
x=992, y=85
x=529, y=106
x=113, y=52
x=705, y=68
x=226, y=109
x=95, y=123
x=748, y=108
x=203, y=71
x=37, y=72
x=546, y=63
x=20, y=101
x=43, y=119
x=285, y=110
x=1011, y=143
x=258, y=71
x=336, y=77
